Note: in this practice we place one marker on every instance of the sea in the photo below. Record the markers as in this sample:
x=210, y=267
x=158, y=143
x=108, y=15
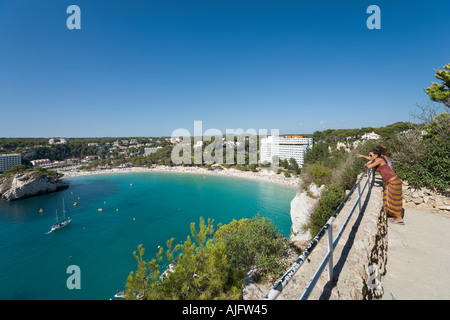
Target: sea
x=91, y=258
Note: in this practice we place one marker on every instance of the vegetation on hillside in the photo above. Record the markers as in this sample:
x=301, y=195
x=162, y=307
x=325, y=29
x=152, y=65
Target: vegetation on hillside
x=212, y=266
x=420, y=159
x=337, y=169
x=39, y=172
x=424, y=159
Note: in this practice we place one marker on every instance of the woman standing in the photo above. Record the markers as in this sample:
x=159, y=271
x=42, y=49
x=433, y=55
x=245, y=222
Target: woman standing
x=392, y=193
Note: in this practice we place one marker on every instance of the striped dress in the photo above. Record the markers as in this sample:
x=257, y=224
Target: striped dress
x=392, y=193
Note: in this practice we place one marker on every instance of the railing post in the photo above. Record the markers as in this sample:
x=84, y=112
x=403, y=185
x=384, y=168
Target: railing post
x=330, y=250
x=359, y=197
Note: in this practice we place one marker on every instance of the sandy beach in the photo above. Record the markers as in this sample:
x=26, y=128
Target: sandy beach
x=263, y=175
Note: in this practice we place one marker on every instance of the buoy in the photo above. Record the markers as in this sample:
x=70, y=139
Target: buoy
x=134, y=219
x=117, y=209
x=41, y=210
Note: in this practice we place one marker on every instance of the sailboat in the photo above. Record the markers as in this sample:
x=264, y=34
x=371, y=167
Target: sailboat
x=63, y=223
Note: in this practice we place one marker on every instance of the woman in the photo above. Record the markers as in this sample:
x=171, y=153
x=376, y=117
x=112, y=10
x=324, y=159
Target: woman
x=384, y=153
x=392, y=193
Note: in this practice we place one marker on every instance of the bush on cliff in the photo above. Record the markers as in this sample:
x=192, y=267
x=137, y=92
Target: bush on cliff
x=337, y=170
x=39, y=172
x=329, y=202
x=424, y=160
x=254, y=244
x=211, y=267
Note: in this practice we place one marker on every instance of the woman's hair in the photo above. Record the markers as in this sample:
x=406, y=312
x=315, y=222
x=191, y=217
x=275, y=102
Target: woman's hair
x=379, y=151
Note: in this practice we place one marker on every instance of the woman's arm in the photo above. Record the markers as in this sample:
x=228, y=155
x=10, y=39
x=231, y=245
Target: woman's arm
x=374, y=163
x=363, y=156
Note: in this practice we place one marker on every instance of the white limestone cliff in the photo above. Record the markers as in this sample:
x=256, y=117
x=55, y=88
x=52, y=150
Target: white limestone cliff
x=301, y=209
x=28, y=184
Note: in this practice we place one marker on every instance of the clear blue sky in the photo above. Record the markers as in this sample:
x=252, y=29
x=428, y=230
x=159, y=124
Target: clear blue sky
x=146, y=68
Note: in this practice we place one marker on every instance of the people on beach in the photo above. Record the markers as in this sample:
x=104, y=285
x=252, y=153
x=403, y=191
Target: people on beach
x=392, y=193
x=260, y=176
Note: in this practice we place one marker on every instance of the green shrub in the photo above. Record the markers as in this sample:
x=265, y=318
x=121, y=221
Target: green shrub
x=424, y=161
x=254, y=244
x=212, y=267
x=39, y=172
x=201, y=271
x=320, y=173
x=328, y=204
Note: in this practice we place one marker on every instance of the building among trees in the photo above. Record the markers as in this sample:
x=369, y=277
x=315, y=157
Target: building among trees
x=7, y=161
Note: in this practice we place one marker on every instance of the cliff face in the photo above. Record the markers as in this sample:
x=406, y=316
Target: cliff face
x=25, y=185
x=301, y=208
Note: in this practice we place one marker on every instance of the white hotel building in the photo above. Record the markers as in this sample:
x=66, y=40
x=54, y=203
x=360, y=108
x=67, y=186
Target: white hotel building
x=285, y=148
x=7, y=161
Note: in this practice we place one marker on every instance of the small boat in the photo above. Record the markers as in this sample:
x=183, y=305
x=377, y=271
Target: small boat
x=41, y=210
x=120, y=295
x=75, y=204
x=100, y=209
x=62, y=224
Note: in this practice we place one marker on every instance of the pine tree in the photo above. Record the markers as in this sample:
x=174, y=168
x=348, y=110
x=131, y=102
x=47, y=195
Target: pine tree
x=200, y=271
x=440, y=92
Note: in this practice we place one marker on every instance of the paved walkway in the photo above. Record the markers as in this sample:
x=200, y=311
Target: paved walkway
x=418, y=257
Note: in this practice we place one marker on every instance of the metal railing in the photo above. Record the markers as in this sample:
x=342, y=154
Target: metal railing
x=328, y=227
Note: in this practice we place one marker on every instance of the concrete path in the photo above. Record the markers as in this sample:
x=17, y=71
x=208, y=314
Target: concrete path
x=418, y=265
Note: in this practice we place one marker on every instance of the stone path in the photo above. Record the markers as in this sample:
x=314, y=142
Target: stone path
x=418, y=257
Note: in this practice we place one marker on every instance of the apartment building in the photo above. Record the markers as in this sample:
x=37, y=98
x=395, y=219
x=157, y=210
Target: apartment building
x=7, y=161
x=285, y=148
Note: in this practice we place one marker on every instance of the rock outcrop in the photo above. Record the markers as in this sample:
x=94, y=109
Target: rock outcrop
x=28, y=184
x=301, y=208
x=425, y=199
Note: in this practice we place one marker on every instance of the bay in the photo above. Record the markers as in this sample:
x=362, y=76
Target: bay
x=137, y=208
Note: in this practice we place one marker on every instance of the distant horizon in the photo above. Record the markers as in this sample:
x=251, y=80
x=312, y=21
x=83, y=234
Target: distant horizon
x=168, y=136
x=134, y=68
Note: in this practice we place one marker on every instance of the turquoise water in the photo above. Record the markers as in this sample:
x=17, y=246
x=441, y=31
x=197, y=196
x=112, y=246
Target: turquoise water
x=138, y=208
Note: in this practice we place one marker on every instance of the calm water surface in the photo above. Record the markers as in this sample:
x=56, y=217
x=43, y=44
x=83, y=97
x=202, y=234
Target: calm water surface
x=137, y=208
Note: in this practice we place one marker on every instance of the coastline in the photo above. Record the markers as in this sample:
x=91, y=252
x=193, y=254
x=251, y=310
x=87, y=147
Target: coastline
x=263, y=176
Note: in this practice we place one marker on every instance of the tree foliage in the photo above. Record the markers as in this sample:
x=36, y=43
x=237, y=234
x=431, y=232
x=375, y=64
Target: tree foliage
x=440, y=92
x=201, y=271
x=424, y=159
x=329, y=202
x=212, y=265
x=39, y=172
x=254, y=244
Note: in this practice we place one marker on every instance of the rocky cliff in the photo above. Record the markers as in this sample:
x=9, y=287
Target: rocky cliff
x=28, y=184
x=302, y=206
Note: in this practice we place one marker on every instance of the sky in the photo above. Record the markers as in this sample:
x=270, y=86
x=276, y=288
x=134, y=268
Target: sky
x=146, y=68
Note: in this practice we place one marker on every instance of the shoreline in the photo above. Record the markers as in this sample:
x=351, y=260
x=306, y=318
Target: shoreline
x=262, y=176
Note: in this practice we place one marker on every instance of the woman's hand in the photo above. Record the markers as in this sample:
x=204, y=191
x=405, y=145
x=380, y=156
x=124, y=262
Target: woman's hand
x=362, y=156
